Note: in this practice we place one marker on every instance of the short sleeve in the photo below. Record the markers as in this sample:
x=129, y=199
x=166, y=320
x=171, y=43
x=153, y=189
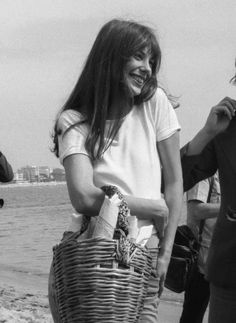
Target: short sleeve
x=166, y=122
x=72, y=134
x=199, y=192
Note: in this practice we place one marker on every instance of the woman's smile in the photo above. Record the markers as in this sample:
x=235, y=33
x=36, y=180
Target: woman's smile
x=138, y=79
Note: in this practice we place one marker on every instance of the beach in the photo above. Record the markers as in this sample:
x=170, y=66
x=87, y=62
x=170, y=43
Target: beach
x=31, y=222
x=23, y=299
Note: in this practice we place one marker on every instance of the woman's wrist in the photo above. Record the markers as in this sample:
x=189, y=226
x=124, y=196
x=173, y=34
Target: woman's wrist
x=165, y=252
x=163, y=259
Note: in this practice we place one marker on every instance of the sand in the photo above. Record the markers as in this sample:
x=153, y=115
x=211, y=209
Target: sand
x=21, y=307
x=23, y=299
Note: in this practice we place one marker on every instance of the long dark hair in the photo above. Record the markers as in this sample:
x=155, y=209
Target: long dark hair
x=101, y=80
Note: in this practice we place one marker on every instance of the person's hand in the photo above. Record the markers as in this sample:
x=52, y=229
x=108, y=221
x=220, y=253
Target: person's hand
x=160, y=218
x=220, y=116
x=162, y=267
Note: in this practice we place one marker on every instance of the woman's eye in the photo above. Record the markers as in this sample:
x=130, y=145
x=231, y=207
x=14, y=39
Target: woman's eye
x=138, y=56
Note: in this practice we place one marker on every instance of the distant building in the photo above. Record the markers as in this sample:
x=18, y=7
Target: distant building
x=19, y=177
x=58, y=174
x=44, y=173
x=39, y=174
x=30, y=173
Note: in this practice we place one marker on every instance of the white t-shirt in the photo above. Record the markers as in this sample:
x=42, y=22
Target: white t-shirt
x=131, y=162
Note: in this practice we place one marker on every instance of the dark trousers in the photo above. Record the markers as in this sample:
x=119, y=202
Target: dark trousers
x=222, y=306
x=196, y=299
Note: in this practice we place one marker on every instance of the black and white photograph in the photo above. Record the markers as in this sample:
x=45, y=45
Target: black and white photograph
x=118, y=161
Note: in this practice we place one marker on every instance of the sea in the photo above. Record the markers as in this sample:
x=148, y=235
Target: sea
x=32, y=221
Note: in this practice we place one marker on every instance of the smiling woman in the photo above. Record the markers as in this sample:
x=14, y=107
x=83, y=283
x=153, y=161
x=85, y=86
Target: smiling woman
x=118, y=128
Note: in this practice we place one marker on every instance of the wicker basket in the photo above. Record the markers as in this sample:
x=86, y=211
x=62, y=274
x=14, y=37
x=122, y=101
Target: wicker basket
x=100, y=279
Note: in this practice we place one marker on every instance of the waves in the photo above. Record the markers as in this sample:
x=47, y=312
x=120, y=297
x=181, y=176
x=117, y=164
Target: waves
x=31, y=222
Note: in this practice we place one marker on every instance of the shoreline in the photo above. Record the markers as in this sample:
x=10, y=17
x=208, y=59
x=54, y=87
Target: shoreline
x=26, y=184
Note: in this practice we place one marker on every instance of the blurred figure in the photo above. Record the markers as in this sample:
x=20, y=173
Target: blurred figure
x=6, y=173
x=203, y=204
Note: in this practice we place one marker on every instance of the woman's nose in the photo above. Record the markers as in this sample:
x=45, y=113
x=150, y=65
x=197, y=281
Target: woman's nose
x=147, y=66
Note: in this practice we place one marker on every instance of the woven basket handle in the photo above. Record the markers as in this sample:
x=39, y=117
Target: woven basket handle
x=122, y=220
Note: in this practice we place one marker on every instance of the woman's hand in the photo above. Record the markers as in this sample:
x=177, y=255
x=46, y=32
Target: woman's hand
x=162, y=267
x=220, y=116
x=149, y=209
x=160, y=218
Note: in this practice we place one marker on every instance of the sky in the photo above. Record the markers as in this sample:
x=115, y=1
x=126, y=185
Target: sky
x=43, y=45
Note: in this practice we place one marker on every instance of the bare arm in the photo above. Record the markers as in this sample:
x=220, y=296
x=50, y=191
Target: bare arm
x=173, y=192
x=87, y=198
x=203, y=211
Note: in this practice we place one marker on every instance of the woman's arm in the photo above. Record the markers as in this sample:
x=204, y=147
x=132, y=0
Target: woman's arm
x=152, y=210
x=87, y=198
x=173, y=192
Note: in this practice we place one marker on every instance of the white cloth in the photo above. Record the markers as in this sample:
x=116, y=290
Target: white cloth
x=132, y=162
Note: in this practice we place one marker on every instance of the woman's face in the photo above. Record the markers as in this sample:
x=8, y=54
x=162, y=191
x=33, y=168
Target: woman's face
x=138, y=70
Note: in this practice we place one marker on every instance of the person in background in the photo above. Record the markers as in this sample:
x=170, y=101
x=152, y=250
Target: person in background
x=118, y=128
x=6, y=173
x=212, y=149
x=203, y=204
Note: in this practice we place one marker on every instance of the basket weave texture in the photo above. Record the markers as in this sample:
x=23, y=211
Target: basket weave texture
x=100, y=279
